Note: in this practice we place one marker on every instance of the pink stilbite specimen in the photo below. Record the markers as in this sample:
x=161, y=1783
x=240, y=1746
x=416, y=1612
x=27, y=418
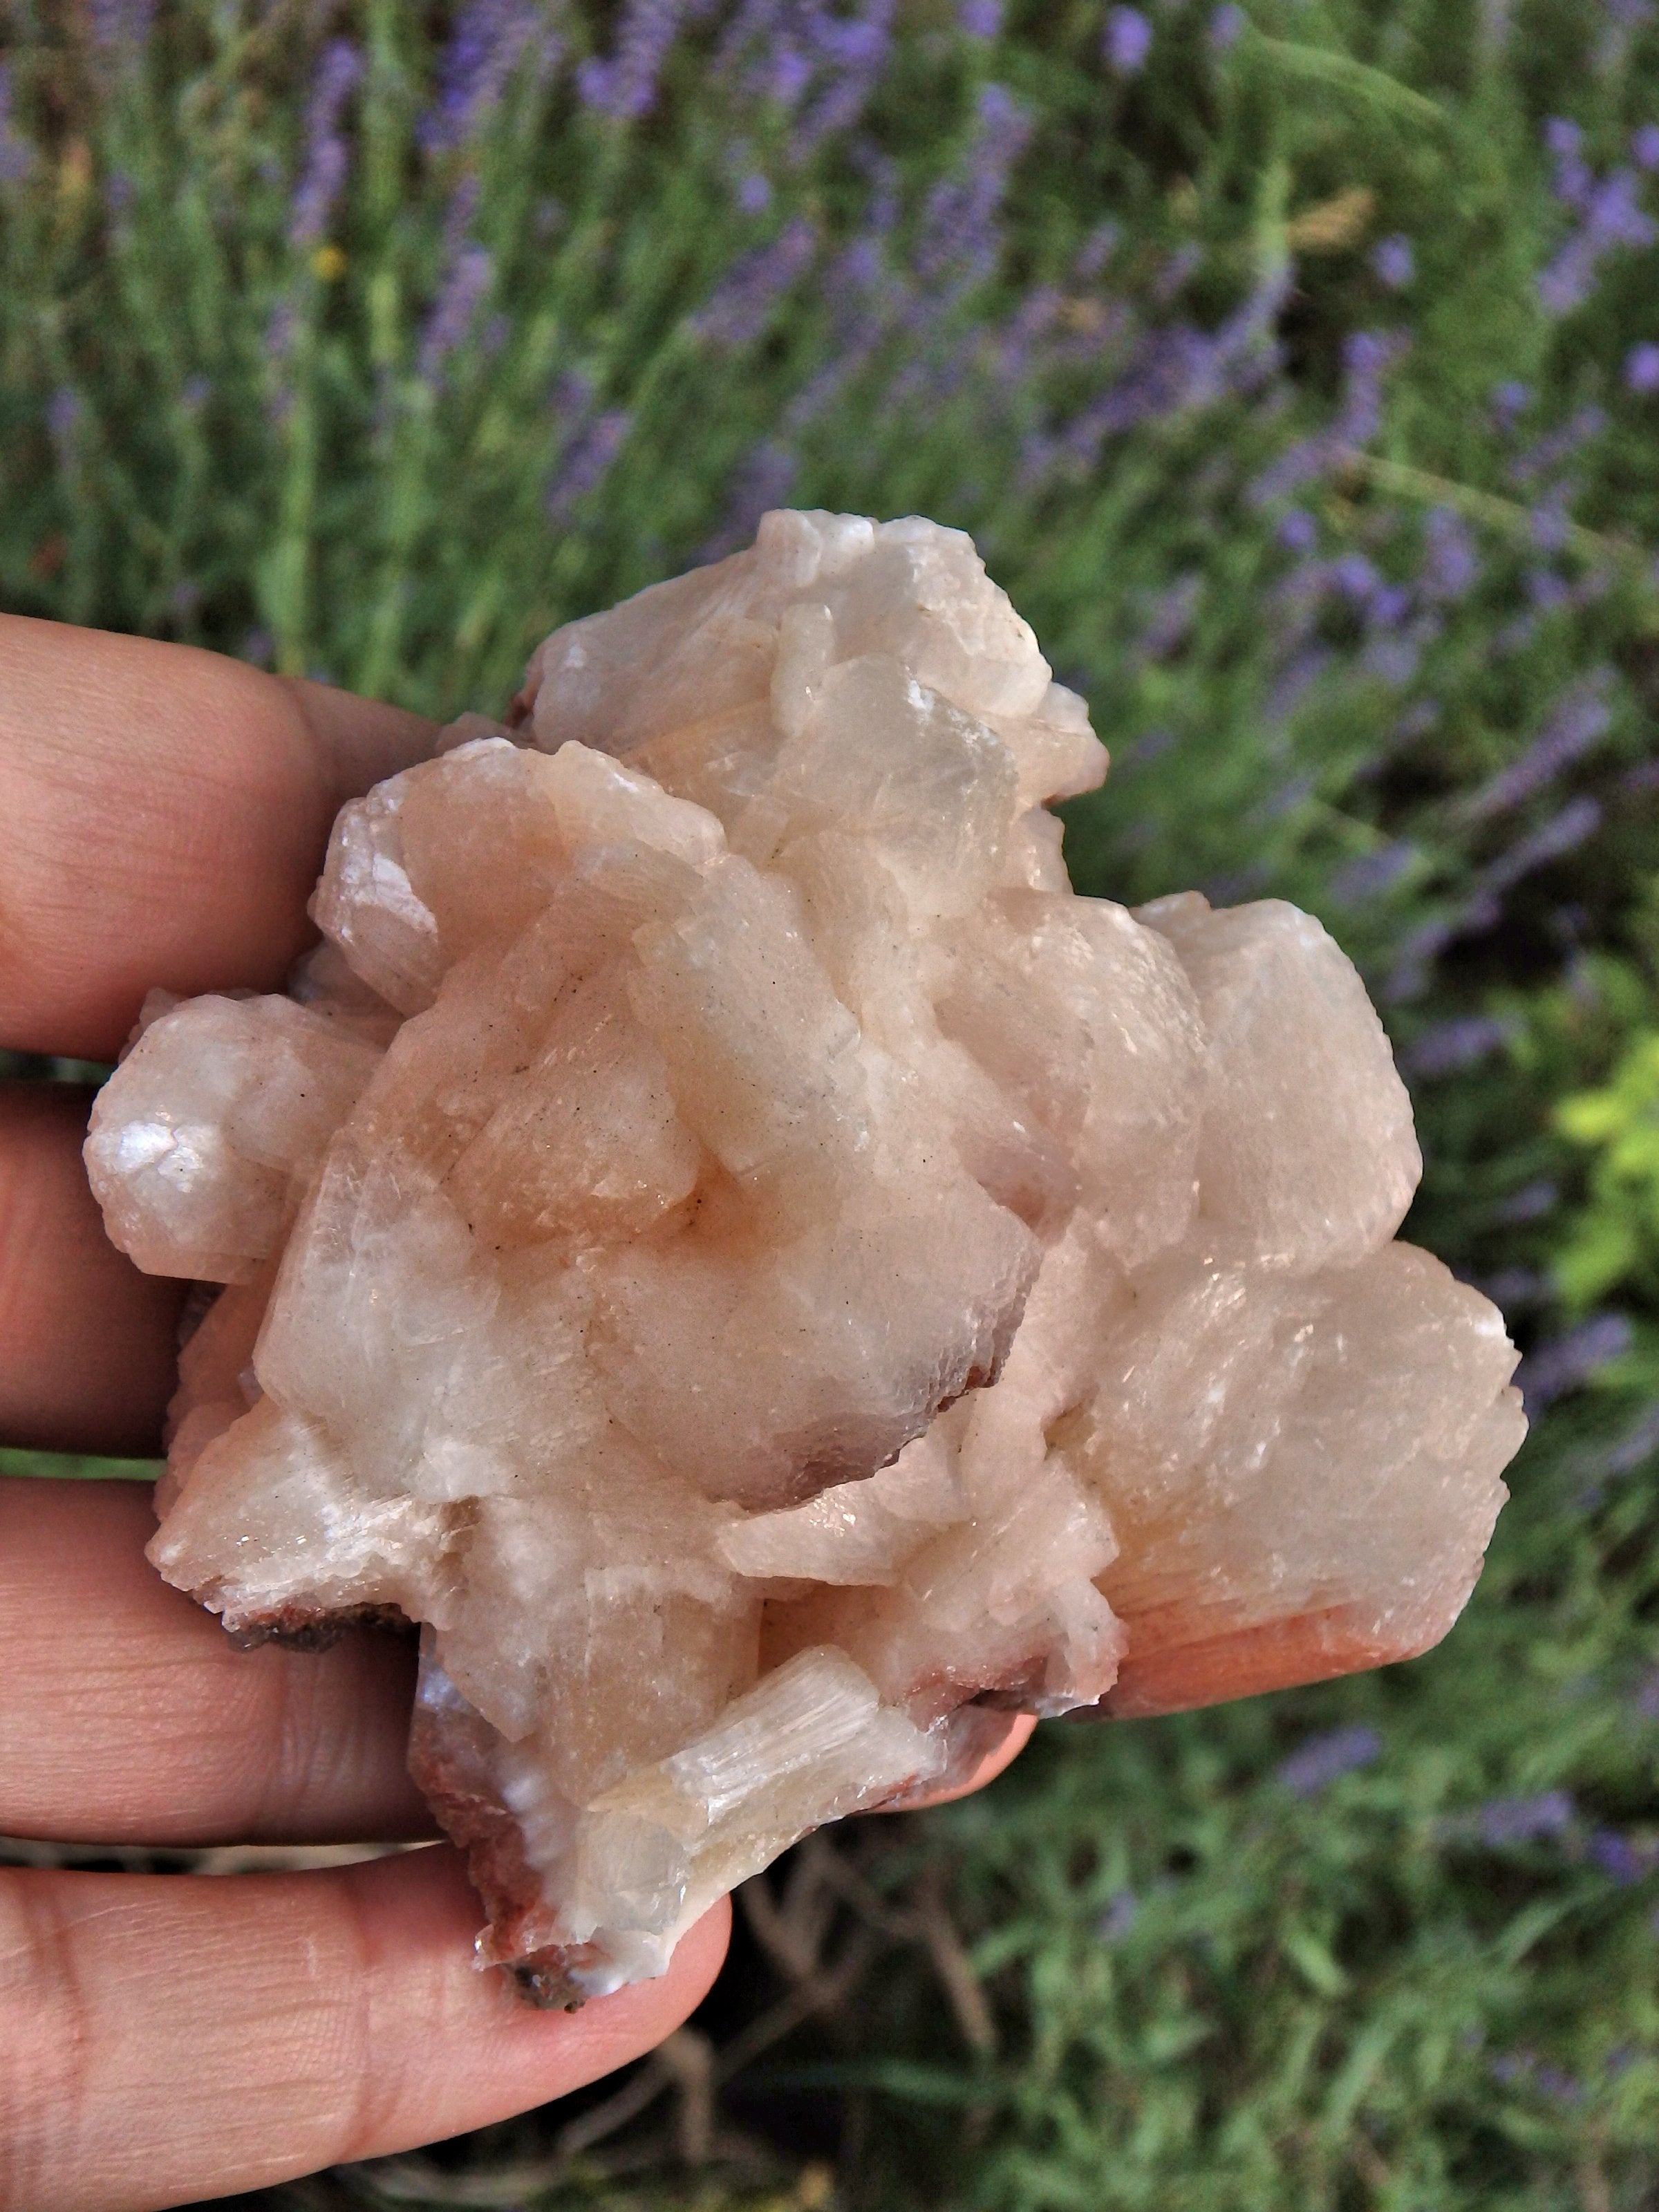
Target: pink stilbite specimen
x=722, y=1236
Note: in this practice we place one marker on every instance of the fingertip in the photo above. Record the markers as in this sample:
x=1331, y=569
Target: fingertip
x=505, y=2055
x=363, y=740
x=992, y=1762
x=251, y=2028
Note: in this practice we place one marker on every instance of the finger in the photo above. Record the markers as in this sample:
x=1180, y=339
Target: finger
x=164, y=2040
x=88, y=1346
x=1001, y=1751
x=167, y=813
x=130, y=1717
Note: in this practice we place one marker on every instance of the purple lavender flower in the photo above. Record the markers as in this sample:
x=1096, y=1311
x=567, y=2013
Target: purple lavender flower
x=1576, y=821
x=1372, y=874
x=1127, y=42
x=1525, y=1819
x=16, y=155
x=1367, y=357
x=1119, y=1918
x=1294, y=681
x=260, y=647
x=586, y=462
x=1174, y=371
x=465, y=285
x=465, y=272
x=1451, y=1046
x=1022, y=343
x=1326, y=1759
x=1513, y=1289
x=1642, y=367
x=120, y=26
x=1625, y=1862
x=571, y=401
x=625, y=86
x=1636, y=1446
x=980, y=19
x=1169, y=618
x=1409, y=977
x=1555, y=2082
x=1566, y=1362
x=1297, y=530
x=1389, y=606
x=1551, y=526
x=1392, y=660
x=1289, y=799
x=194, y=393
x=1354, y=578
x=327, y=155
x=1610, y=217
x=1541, y=460
x=753, y=193
x=490, y=39
x=1234, y=886
x=1525, y=2066
x=1574, y=179
x=1151, y=747
x=1644, y=147
x=1394, y=263
x=1510, y=400
x=1177, y=272
x=762, y=481
x=859, y=291
x=1582, y=718
x=279, y=329
x=788, y=44
x=784, y=72
x=1096, y=250
x=1481, y=910
x=851, y=53
x=741, y=304
x=1227, y=25
x=958, y=238
x=1530, y=1203
x=751, y=22
x=64, y=412
x=1450, y=563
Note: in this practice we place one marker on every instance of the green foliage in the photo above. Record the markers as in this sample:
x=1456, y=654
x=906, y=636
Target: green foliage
x=1362, y=596
x=1615, y=1240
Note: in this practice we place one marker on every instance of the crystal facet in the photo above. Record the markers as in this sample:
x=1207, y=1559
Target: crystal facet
x=719, y=1233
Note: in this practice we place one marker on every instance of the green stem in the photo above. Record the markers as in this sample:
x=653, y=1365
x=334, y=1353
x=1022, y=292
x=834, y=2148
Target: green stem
x=1506, y=516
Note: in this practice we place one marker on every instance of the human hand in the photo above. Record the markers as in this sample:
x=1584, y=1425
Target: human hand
x=165, y=2038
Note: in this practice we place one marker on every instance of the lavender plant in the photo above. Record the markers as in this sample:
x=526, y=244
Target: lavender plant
x=1294, y=364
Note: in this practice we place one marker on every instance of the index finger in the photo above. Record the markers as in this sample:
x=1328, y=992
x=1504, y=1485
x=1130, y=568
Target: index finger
x=167, y=813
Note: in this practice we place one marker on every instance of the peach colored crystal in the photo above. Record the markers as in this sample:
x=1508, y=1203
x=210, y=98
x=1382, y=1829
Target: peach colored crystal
x=722, y=1236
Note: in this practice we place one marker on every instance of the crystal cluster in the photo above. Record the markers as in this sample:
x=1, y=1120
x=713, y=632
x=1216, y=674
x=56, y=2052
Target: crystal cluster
x=722, y=1235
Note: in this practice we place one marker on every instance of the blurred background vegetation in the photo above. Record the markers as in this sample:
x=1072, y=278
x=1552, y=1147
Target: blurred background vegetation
x=1295, y=366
